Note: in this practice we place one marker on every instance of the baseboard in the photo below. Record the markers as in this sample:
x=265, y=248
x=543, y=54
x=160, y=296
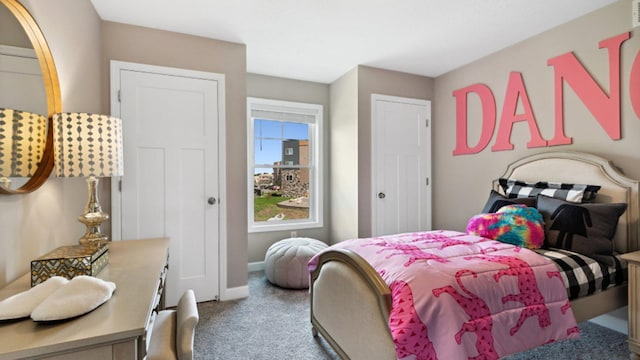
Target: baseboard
x=239, y=292
x=256, y=266
x=242, y=291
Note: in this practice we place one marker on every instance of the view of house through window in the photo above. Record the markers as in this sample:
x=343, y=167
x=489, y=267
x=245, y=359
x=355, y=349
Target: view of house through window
x=282, y=165
x=282, y=190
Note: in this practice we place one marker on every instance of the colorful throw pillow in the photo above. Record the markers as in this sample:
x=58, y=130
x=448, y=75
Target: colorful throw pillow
x=518, y=224
x=568, y=192
x=587, y=229
x=497, y=201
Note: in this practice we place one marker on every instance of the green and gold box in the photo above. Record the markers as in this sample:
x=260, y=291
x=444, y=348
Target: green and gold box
x=70, y=261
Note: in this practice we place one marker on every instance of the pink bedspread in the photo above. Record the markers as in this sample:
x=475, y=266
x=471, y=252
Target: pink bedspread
x=459, y=296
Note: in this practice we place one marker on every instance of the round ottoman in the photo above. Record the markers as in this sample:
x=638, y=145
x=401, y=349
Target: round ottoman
x=286, y=261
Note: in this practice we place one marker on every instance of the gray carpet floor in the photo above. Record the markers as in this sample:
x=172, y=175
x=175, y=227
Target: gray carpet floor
x=273, y=323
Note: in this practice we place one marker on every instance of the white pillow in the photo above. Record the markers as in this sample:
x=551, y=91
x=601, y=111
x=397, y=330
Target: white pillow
x=81, y=295
x=22, y=304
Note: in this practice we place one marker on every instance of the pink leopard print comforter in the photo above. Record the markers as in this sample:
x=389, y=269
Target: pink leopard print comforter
x=459, y=296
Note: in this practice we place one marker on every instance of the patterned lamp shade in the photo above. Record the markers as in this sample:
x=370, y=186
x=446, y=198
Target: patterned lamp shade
x=87, y=145
x=23, y=137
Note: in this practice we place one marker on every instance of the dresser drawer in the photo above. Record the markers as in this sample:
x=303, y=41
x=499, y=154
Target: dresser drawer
x=157, y=305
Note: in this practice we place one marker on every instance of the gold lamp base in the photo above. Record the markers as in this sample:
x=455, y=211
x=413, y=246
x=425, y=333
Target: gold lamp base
x=93, y=221
x=93, y=216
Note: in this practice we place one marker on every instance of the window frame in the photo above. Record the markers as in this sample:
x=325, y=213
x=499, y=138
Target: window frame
x=316, y=169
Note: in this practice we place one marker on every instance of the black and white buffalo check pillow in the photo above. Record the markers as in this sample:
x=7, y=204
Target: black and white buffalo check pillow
x=568, y=192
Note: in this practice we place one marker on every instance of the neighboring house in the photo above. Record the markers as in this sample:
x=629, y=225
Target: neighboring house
x=295, y=181
x=263, y=180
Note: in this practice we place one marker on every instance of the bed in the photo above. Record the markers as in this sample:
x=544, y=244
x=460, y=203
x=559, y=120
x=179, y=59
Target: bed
x=351, y=303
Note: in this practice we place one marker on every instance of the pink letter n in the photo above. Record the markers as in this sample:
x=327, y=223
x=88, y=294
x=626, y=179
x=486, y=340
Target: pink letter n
x=606, y=109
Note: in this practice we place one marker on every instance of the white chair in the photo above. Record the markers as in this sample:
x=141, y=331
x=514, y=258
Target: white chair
x=174, y=330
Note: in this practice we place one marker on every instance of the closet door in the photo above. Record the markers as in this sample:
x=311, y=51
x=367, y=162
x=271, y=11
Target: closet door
x=401, y=164
x=170, y=186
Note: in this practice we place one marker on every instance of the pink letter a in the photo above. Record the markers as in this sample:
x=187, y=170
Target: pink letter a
x=515, y=91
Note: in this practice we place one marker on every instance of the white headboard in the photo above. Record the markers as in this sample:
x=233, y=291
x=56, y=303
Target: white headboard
x=582, y=168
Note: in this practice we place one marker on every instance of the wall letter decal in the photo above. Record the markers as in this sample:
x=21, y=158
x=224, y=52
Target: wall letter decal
x=606, y=109
x=516, y=90
x=488, y=103
x=634, y=85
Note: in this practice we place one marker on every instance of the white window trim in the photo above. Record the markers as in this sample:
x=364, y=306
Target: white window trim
x=315, y=172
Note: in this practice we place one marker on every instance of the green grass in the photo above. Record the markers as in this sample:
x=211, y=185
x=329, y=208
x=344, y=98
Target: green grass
x=265, y=207
x=263, y=202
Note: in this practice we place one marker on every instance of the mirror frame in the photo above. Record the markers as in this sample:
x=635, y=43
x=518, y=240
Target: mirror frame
x=52, y=90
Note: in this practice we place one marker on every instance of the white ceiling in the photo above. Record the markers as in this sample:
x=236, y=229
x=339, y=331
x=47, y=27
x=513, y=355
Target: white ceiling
x=320, y=40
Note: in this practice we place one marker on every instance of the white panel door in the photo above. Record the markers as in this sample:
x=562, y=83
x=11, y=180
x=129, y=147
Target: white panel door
x=171, y=177
x=401, y=165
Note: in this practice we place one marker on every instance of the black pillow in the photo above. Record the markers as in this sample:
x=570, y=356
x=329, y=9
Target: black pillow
x=587, y=229
x=497, y=200
x=564, y=191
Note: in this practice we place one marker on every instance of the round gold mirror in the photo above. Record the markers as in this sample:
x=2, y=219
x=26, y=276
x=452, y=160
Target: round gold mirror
x=24, y=26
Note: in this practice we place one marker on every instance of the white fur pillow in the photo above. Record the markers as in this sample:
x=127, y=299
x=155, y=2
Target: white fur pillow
x=22, y=304
x=81, y=295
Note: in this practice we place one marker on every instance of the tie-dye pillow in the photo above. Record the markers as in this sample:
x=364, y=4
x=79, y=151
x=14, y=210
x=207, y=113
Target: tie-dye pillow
x=513, y=224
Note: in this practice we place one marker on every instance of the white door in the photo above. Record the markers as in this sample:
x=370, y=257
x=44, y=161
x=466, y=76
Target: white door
x=170, y=186
x=401, y=164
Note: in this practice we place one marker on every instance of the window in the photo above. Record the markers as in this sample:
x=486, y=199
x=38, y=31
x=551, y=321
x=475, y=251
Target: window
x=285, y=165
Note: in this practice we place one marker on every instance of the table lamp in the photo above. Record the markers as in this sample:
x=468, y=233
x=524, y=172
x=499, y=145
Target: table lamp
x=88, y=145
x=23, y=138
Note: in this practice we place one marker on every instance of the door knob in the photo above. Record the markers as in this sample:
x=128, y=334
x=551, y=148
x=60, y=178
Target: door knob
x=211, y=201
x=381, y=195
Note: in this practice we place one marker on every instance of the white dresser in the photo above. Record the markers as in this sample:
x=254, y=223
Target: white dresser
x=115, y=330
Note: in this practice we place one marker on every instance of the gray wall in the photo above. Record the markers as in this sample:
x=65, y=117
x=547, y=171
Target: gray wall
x=351, y=162
x=344, y=157
x=269, y=87
x=461, y=183
x=385, y=82
x=347, y=144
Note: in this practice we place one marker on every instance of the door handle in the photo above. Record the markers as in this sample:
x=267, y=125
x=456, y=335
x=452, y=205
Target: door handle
x=381, y=195
x=211, y=201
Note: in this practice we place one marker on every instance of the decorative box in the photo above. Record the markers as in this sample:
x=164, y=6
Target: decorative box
x=70, y=261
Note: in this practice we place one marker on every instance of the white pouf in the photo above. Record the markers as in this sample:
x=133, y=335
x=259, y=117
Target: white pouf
x=286, y=261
